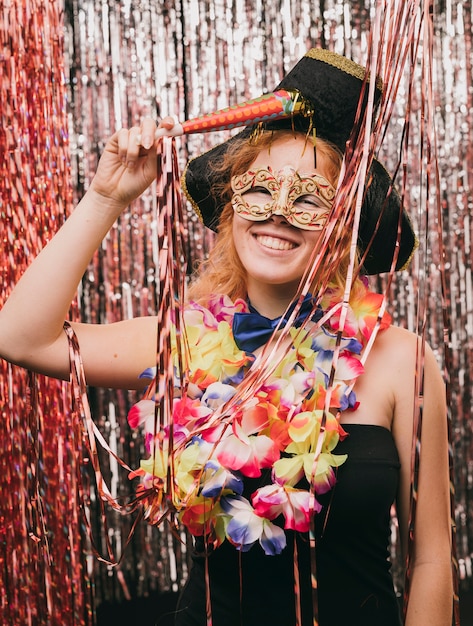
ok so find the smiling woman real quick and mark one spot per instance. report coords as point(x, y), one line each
point(289, 436)
point(314, 436)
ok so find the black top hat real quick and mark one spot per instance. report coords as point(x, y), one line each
point(333, 85)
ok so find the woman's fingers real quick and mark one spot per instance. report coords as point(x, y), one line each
point(128, 146)
point(145, 136)
point(167, 122)
point(168, 127)
point(126, 167)
point(148, 134)
point(137, 141)
point(175, 130)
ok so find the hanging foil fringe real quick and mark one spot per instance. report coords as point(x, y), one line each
point(43, 549)
point(70, 74)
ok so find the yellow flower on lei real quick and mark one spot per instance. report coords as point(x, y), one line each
point(213, 353)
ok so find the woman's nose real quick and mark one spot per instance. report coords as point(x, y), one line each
point(278, 218)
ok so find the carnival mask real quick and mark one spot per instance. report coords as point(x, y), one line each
point(305, 201)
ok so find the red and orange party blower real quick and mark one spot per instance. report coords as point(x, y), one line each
point(268, 107)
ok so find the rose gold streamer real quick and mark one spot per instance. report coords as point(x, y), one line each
point(171, 283)
point(87, 438)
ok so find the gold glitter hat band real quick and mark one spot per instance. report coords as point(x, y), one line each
point(342, 63)
point(333, 86)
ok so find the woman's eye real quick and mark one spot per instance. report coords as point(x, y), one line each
point(308, 202)
point(257, 194)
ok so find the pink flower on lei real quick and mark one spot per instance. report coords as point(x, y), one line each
point(296, 505)
point(245, 450)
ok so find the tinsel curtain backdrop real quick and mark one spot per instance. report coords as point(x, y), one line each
point(70, 74)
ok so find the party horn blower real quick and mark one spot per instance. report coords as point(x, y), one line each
point(268, 107)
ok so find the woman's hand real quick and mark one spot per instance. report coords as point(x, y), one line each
point(128, 164)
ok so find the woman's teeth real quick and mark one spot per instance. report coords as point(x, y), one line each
point(274, 243)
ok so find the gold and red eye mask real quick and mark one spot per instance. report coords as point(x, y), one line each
point(305, 201)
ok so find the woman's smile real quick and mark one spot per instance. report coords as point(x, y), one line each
point(274, 242)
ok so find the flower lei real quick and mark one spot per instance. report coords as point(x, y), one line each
point(278, 430)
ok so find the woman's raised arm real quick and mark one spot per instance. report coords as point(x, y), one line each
point(31, 321)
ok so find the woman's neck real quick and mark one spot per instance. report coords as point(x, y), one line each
point(271, 300)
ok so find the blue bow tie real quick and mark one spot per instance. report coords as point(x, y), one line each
point(252, 330)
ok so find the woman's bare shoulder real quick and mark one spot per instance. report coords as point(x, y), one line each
point(413, 368)
point(396, 348)
point(403, 346)
point(396, 336)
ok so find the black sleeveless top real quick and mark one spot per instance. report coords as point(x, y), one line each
point(355, 586)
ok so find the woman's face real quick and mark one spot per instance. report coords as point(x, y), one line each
point(274, 251)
